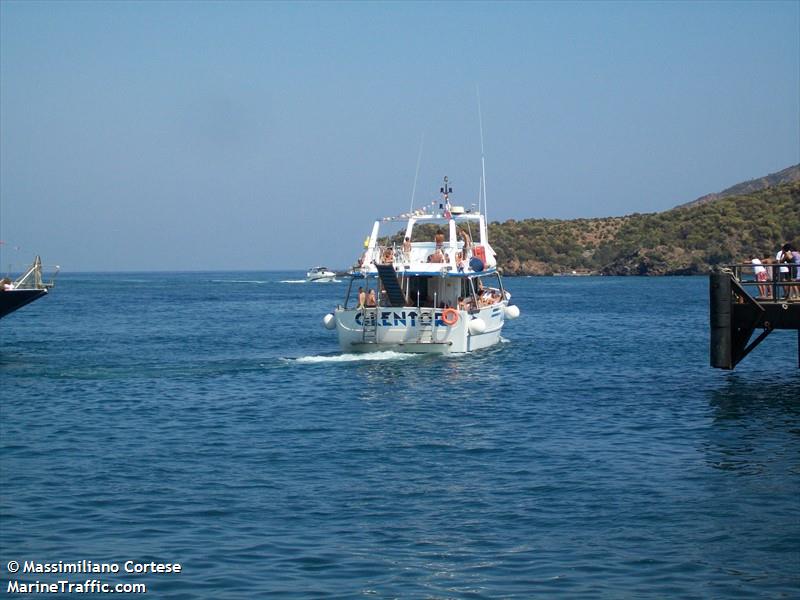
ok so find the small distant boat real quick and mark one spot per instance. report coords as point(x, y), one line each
point(24, 290)
point(320, 274)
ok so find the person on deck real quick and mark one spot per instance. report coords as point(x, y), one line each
point(437, 256)
point(467, 249)
point(407, 250)
point(461, 265)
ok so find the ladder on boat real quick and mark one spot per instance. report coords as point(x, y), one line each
point(425, 327)
point(391, 284)
point(369, 330)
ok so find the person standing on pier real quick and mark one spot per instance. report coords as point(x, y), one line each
point(794, 291)
point(761, 276)
point(783, 272)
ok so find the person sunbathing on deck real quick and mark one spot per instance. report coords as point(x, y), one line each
point(436, 257)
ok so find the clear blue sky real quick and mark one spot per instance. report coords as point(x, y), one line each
point(265, 135)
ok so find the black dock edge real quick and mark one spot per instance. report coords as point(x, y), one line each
point(734, 315)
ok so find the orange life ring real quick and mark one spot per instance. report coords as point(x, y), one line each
point(450, 316)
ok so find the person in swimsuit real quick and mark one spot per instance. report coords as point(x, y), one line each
point(407, 249)
point(467, 249)
point(437, 256)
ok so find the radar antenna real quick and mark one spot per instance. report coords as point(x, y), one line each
point(445, 190)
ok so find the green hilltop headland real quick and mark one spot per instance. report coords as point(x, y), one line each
point(754, 217)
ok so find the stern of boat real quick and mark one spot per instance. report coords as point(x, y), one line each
point(418, 330)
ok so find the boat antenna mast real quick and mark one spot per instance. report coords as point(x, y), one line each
point(483, 160)
point(445, 190)
point(416, 174)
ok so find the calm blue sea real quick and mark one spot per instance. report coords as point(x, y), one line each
point(208, 419)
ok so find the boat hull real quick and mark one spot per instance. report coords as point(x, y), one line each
point(14, 299)
point(417, 330)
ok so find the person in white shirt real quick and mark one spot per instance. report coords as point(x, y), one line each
point(783, 274)
point(761, 276)
point(794, 292)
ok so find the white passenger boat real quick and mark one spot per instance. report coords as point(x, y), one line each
point(320, 274)
point(433, 289)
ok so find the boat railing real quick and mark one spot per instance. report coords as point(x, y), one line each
point(420, 253)
point(33, 278)
point(423, 250)
point(773, 288)
point(390, 253)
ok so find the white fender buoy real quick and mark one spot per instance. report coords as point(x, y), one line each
point(512, 311)
point(329, 321)
point(477, 325)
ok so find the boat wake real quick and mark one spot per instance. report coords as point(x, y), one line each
point(256, 281)
point(347, 358)
point(307, 281)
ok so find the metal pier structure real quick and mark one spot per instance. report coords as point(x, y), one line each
point(740, 305)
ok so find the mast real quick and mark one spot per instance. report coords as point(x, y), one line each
point(416, 174)
point(445, 190)
point(483, 158)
